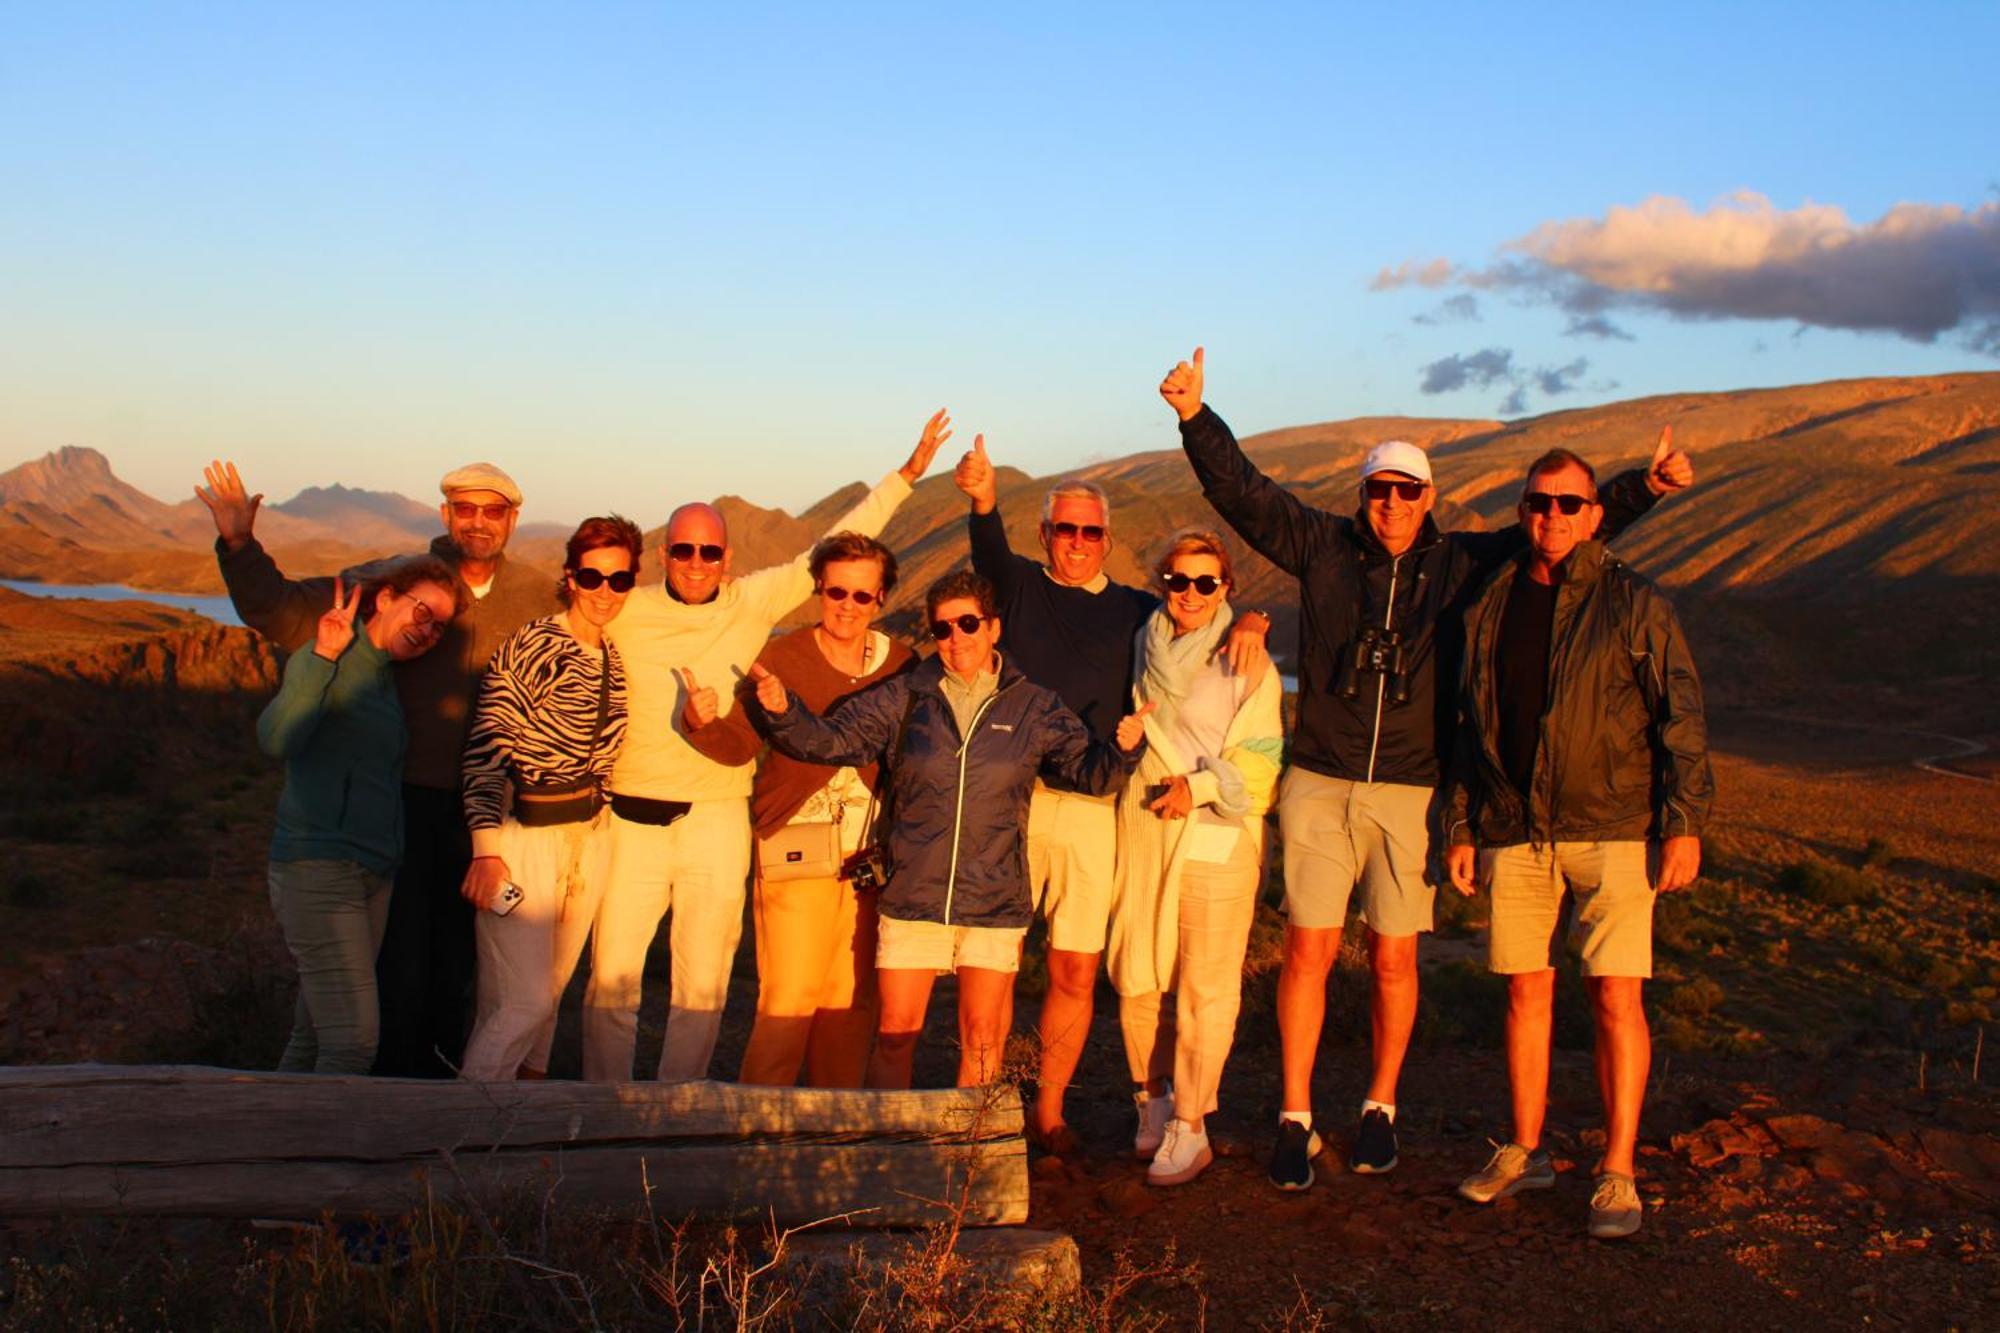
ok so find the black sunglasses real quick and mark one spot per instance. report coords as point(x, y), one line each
point(590, 580)
point(1541, 502)
point(1381, 488)
point(1205, 584)
point(1089, 532)
point(966, 624)
point(860, 597)
point(685, 551)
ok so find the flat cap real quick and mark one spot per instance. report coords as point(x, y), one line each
point(481, 477)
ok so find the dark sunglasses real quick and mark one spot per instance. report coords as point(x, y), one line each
point(1205, 584)
point(860, 597)
point(1541, 502)
point(1089, 532)
point(967, 624)
point(467, 510)
point(1381, 488)
point(685, 551)
point(590, 580)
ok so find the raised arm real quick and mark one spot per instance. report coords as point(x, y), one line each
point(282, 610)
point(775, 591)
point(856, 732)
point(1627, 498)
point(1280, 526)
point(993, 558)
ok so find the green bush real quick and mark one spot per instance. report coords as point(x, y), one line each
point(1696, 999)
point(29, 890)
point(1827, 884)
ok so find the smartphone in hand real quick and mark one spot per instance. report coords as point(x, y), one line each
point(507, 899)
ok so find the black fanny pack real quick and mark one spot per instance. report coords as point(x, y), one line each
point(639, 810)
point(569, 803)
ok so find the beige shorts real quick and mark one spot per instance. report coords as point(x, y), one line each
point(1613, 920)
point(929, 946)
point(1339, 834)
point(1072, 860)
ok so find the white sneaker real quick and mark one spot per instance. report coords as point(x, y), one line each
point(1154, 1113)
point(1183, 1155)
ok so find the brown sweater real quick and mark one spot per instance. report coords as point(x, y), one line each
point(784, 784)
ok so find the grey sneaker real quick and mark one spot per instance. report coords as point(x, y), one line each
point(1510, 1170)
point(1614, 1206)
point(1154, 1113)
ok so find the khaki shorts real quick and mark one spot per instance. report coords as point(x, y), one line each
point(929, 946)
point(1613, 921)
point(1340, 834)
point(1072, 860)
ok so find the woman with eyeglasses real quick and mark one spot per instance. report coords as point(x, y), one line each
point(814, 918)
point(964, 736)
point(1191, 854)
point(550, 718)
point(337, 722)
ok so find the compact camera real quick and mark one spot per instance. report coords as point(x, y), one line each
point(1377, 652)
point(867, 870)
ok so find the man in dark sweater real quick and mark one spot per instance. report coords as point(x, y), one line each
point(424, 972)
point(1070, 629)
point(1380, 602)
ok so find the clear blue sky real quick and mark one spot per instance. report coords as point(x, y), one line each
point(642, 254)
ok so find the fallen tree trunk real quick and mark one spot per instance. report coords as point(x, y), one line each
point(219, 1143)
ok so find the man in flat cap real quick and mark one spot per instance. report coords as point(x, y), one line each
point(425, 969)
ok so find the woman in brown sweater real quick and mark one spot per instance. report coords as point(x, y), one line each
point(816, 997)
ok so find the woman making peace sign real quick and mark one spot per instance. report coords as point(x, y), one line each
point(337, 724)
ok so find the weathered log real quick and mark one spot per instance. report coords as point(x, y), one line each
point(208, 1142)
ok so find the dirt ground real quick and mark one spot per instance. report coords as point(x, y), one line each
point(1821, 1145)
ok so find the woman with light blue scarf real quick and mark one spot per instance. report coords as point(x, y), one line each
point(1190, 855)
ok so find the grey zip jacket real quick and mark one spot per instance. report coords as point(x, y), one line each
point(1622, 754)
point(957, 804)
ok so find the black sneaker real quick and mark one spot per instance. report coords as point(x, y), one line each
point(1291, 1160)
point(1374, 1145)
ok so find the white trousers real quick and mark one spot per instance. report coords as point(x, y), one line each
point(526, 958)
point(696, 870)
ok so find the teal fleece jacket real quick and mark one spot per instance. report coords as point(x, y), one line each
point(339, 728)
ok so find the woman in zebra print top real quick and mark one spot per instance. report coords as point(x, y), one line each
point(550, 718)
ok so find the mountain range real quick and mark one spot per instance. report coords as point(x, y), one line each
point(1842, 539)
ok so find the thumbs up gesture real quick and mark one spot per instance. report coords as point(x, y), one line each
point(771, 692)
point(701, 706)
point(1132, 728)
point(975, 476)
point(1182, 387)
point(1671, 469)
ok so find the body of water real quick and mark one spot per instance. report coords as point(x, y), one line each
point(215, 608)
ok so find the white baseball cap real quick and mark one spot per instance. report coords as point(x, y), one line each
point(1397, 456)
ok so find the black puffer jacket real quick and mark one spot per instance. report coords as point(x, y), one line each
point(959, 807)
point(1348, 581)
point(1622, 753)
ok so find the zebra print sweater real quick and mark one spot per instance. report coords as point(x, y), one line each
point(537, 713)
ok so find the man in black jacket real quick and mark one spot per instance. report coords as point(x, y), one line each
point(1582, 741)
point(1380, 601)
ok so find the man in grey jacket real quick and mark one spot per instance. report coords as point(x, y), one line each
point(1581, 767)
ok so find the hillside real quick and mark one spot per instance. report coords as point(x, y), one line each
point(1842, 543)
